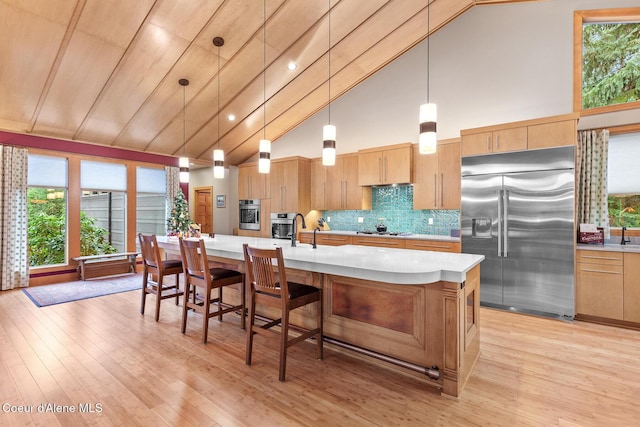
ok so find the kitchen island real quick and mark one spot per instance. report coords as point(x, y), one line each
point(419, 308)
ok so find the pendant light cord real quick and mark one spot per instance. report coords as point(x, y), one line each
point(264, 71)
point(218, 97)
point(428, 45)
point(329, 108)
point(184, 120)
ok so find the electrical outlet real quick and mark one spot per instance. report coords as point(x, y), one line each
point(360, 219)
point(430, 221)
point(328, 219)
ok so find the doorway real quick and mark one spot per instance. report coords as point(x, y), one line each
point(204, 209)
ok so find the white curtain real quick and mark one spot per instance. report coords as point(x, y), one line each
point(591, 175)
point(173, 186)
point(14, 268)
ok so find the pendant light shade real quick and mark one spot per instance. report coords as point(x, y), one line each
point(329, 130)
point(218, 164)
point(218, 153)
point(428, 141)
point(328, 145)
point(183, 162)
point(264, 161)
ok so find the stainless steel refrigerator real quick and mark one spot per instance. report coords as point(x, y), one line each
point(518, 211)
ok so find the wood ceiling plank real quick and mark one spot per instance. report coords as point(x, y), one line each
point(58, 11)
point(308, 48)
point(155, 118)
point(113, 21)
point(84, 70)
point(28, 47)
point(147, 62)
point(184, 19)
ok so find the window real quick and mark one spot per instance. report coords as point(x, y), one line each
point(102, 207)
point(47, 210)
point(623, 186)
point(607, 60)
point(151, 201)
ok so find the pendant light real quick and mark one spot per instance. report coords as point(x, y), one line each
point(428, 142)
point(218, 153)
point(329, 130)
point(183, 162)
point(264, 162)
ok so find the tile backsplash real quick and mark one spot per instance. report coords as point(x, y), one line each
point(395, 205)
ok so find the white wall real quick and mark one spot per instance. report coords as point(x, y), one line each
point(224, 219)
point(494, 64)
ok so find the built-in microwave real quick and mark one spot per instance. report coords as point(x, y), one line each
point(250, 214)
point(282, 225)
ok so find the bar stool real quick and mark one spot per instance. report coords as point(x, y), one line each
point(154, 265)
point(261, 266)
point(198, 274)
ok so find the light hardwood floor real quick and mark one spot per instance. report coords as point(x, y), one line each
point(531, 372)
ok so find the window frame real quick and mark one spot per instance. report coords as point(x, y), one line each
point(580, 17)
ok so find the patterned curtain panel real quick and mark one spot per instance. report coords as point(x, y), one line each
point(14, 268)
point(173, 185)
point(591, 179)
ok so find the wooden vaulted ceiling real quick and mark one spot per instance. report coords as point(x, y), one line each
point(106, 71)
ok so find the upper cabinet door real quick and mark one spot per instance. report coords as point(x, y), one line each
point(477, 143)
point(397, 166)
point(449, 178)
point(514, 139)
point(425, 182)
point(370, 168)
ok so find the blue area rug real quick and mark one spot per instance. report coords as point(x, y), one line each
point(46, 295)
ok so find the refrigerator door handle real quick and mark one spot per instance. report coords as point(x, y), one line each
point(500, 201)
point(505, 214)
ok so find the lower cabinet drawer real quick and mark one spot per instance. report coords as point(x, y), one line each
point(600, 290)
point(385, 242)
point(433, 245)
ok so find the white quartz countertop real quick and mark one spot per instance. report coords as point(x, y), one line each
point(609, 247)
point(400, 266)
point(407, 236)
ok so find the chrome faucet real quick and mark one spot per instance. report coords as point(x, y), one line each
point(294, 231)
point(624, 241)
point(314, 237)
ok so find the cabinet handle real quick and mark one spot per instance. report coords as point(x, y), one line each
point(385, 169)
point(442, 190)
point(600, 271)
point(488, 143)
point(497, 142)
point(379, 169)
point(343, 196)
point(424, 245)
point(435, 190)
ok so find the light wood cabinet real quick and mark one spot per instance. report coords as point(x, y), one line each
point(251, 183)
point(318, 194)
point(553, 134)
point(290, 184)
point(546, 132)
point(385, 165)
point(327, 239)
point(336, 187)
point(632, 287)
point(386, 242)
point(433, 245)
point(498, 141)
point(600, 284)
point(437, 177)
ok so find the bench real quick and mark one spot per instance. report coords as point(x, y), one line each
point(91, 266)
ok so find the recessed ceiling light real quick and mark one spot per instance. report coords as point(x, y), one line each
point(292, 66)
point(231, 117)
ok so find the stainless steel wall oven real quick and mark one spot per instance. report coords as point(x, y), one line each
point(250, 214)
